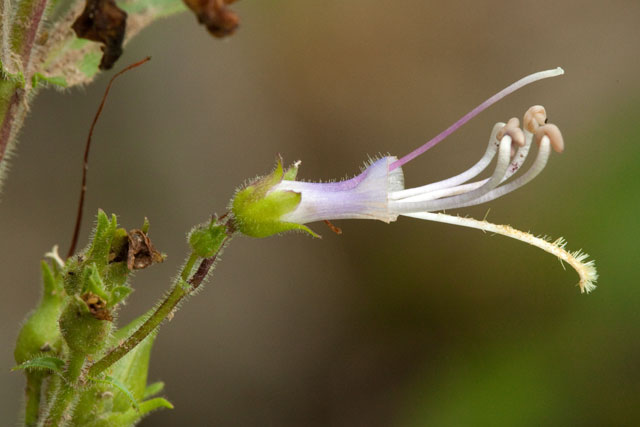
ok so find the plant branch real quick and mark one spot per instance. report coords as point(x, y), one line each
point(32, 27)
point(181, 289)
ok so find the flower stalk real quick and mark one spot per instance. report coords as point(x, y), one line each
point(32, 398)
point(183, 287)
point(68, 390)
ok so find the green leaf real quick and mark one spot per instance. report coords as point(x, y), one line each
point(102, 238)
point(122, 388)
point(131, 416)
point(50, 363)
point(153, 389)
point(93, 282)
point(153, 404)
point(118, 294)
point(40, 79)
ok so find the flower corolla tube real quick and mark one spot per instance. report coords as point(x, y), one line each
point(278, 202)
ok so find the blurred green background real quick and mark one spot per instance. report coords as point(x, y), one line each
point(408, 324)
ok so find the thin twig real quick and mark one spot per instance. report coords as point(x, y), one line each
point(85, 161)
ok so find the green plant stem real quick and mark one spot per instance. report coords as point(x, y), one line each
point(166, 307)
point(33, 392)
point(27, 22)
point(11, 97)
point(16, 89)
point(67, 391)
point(181, 289)
point(188, 267)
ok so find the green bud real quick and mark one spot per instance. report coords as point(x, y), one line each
point(72, 276)
point(145, 225)
point(205, 240)
point(257, 211)
point(40, 333)
point(81, 330)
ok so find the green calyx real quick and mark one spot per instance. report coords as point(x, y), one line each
point(257, 210)
point(82, 331)
point(205, 240)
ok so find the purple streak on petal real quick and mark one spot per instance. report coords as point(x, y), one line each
point(471, 114)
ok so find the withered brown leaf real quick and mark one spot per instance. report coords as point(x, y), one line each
point(104, 22)
point(141, 253)
point(97, 306)
point(136, 249)
point(215, 15)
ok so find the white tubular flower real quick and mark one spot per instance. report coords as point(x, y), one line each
point(379, 193)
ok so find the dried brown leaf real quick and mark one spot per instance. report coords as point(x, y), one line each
point(104, 22)
point(215, 15)
point(97, 306)
point(141, 253)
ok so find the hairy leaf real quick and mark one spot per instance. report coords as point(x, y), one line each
point(42, 363)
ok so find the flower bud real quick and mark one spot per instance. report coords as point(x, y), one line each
point(82, 332)
point(40, 332)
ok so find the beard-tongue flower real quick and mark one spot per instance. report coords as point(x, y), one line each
point(277, 202)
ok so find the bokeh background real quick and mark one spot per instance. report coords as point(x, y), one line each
point(408, 324)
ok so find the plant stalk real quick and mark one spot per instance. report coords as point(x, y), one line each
point(33, 392)
point(15, 77)
point(181, 289)
point(67, 390)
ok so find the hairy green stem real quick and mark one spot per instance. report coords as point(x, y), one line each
point(188, 267)
point(67, 391)
point(15, 78)
point(181, 289)
point(162, 312)
point(26, 27)
point(11, 96)
point(32, 403)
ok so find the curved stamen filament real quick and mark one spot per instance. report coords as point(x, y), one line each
point(465, 176)
point(504, 159)
point(538, 165)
